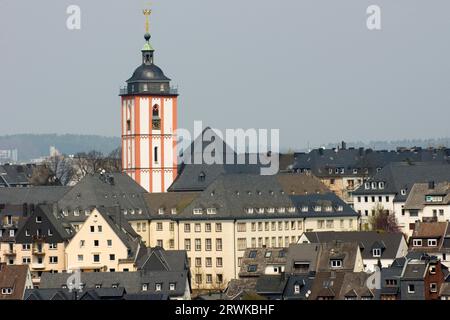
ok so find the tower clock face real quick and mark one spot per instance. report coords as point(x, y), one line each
point(156, 124)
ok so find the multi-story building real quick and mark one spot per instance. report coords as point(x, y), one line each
point(104, 242)
point(389, 189)
point(344, 169)
point(432, 238)
point(377, 248)
point(14, 281)
point(426, 202)
point(157, 272)
point(240, 211)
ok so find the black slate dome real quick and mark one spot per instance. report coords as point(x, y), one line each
point(148, 73)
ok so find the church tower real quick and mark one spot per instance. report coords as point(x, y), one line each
point(149, 120)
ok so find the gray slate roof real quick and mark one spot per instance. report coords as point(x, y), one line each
point(231, 195)
point(131, 281)
point(367, 240)
point(398, 176)
point(107, 190)
point(32, 195)
point(321, 161)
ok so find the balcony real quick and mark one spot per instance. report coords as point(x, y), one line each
point(38, 251)
point(124, 91)
point(37, 266)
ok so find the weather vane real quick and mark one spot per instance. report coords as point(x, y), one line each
point(147, 13)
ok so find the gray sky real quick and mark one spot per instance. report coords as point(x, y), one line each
point(308, 67)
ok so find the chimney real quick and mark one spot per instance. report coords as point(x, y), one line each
point(343, 145)
point(431, 185)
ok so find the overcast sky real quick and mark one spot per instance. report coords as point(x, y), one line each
point(308, 67)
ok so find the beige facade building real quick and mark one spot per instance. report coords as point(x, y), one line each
point(105, 242)
point(241, 211)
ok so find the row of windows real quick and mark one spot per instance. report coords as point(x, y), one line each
point(95, 257)
point(282, 225)
point(208, 262)
point(274, 242)
point(305, 208)
point(208, 278)
point(96, 243)
point(329, 224)
point(419, 242)
point(198, 244)
point(374, 185)
point(40, 260)
point(373, 198)
point(373, 211)
point(198, 227)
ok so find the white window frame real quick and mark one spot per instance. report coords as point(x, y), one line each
point(336, 263)
point(417, 242)
point(432, 242)
point(197, 211)
point(378, 250)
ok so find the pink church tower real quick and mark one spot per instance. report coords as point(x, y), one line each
point(149, 121)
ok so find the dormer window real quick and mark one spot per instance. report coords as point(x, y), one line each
point(249, 210)
point(174, 211)
point(211, 211)
point(296, 288)
point(6, 290)
point(317, 208)
point(336, 263)
point(381, 185)
point(374, 185)
point(145, 287)
point(355, 171)
point(328, 208)
point(198, 211)
point(432, 242)
point(281, 209)
point(376, 252)
point(403, 192)
point(367, 185)
point(330, 171)
point(270, 210)
point(252, 268)
point(38, 219)
point(417, 242)
point(260, 210)
point(201, 177)
point(340, 208)
point(305, 209)
point(291, 209)
point(161, 211)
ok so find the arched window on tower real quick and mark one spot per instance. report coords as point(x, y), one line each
point(128, 117)
point(156, 121)
point(155, 111)
point(155, 154)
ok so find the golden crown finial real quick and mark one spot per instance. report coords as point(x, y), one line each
point(147, 13)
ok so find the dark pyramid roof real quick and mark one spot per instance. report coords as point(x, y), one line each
point(189, 177)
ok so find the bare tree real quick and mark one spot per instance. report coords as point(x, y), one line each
point(61, 167)
point(383, 221)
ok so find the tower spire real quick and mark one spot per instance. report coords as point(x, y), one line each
point(147, 13)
